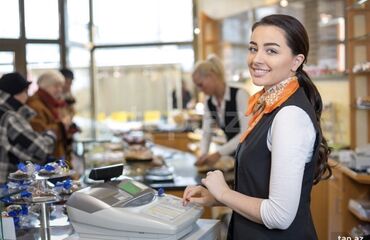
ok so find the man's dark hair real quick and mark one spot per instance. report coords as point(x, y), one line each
point(67, 73)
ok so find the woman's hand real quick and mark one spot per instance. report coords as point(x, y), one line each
point(216, 184)
point(198, 194)
point(210, 159)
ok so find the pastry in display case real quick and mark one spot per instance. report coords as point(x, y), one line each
point(225, 164)
point(134, 139)
point(42, 195)
point(19, 175)
point(138, 153)
point(99, 159)
point(67, 187)
point(103, 154)
point(159, 174)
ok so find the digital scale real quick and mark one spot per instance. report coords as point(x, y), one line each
point(128, 209)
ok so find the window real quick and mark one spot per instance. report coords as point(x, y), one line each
point(142, 21)
point(139, 79)
point(78, 21)
point(168, 54)
point(79, 62)
point(10, 16)
point(41, 57)
point(6, 62)
point(41, 19)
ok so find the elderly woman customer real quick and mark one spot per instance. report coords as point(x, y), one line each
point(49, 104)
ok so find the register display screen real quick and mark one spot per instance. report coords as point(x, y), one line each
point(130, 188)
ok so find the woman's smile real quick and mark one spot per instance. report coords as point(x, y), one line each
point(259, 72)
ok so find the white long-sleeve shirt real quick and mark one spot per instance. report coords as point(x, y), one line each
point(230, 146)
point(290, 139)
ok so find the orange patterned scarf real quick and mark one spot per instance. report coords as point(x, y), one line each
point(264, 102)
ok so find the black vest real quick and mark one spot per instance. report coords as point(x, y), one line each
point(252, 177)
point(232, 125)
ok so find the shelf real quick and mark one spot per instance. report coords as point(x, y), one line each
point(358, 215)
point(358, 6)
point(361, 107)
point(339, 76)
point(363, 38)
point(358, 177)
point(360, 73)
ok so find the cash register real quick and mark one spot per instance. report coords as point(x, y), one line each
point(128, 209)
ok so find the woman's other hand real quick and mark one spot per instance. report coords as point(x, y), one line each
point(199, 195)
point(216, 184)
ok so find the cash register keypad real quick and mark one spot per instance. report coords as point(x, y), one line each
point(167, 208)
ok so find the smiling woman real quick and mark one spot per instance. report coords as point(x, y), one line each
point(270, 59)
point(282, 153)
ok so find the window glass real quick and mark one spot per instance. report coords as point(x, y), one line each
point(136, 82)
point(175, 20)
point(78, 20)
point(78, 57)
point(41, 57)
point(10, 16)
point(42, 19)
point(127, 93)
point(183, 55)
point(142, 21)
point(6, 62)
point(78, 60)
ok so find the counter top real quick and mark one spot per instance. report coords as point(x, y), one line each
point(182, 163)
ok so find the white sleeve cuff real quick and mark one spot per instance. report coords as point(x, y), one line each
point(273, 217)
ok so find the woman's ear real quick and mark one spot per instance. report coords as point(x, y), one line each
point(298, 60)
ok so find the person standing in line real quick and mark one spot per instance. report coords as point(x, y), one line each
point(283, 152)
point(67, 90)
point(69, 109)
point(185, 97)
point(224, 106)
point(48, 103)
point(19, 142)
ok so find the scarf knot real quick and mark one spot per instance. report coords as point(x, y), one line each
point(265, 101)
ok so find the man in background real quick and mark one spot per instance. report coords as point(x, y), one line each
point(185, 94)
point(67, 93)
point(70, 107)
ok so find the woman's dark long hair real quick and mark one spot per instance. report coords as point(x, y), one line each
point(297, 40)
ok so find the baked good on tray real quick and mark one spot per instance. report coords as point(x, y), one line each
point(225, 164)
point(41, 196)
point(45, 173)
point(19, 175)
point(138, 153)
